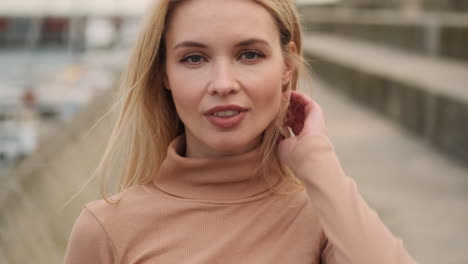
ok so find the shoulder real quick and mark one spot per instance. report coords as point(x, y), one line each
point(118, 202)
point(89, 241)
point(136, 202)
point(87, 223)
point(117, 205)
point(97, 233)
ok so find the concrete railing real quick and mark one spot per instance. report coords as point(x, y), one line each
point(441, 34)
point(428, 97)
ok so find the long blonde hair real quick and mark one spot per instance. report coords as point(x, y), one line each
point(148, 120)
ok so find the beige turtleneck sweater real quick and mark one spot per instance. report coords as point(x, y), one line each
point(202, 211)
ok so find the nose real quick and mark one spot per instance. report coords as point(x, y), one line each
point(223, 79)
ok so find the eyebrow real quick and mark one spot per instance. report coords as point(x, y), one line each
point(252, 41)
point(190, 44)
point(243, 43)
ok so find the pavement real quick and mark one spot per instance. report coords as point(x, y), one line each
point(419, 193)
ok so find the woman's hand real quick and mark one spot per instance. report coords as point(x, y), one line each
point(305, 119)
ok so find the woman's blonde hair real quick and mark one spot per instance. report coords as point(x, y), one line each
point(148, 120)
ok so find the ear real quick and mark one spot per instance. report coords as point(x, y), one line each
point(289, 63)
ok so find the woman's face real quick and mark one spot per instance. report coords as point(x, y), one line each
point(225, 69)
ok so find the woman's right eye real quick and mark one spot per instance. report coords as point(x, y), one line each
point(193, 59)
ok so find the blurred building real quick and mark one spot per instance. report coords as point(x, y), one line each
point(46, 71)
point(64, 23)
point(429, 5)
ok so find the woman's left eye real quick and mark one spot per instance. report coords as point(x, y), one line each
point(252, 55)
point(192, 59)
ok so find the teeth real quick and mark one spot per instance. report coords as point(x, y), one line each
point(226, 113)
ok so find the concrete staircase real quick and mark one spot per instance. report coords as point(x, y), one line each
point(411, 68)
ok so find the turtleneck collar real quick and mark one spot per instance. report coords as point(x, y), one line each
point(217, 179)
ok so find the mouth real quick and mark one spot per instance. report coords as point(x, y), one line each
point(225, 111)
point(225, 120)
point(226, 116)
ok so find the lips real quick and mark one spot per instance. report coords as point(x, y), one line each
point(225, 108)
point(225, 122)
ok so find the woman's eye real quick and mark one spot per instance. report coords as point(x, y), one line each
point(194, 59)
point(251, 55)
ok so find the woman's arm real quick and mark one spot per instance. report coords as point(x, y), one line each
point(354, 233)
point(89, 243)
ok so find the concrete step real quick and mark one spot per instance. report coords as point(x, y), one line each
point(428, 96)
point(433, 34)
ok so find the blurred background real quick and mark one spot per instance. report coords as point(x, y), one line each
point(391, 75)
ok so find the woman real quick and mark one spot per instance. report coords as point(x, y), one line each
point(210, 173)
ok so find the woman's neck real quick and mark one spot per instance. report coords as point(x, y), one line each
point(195, 148)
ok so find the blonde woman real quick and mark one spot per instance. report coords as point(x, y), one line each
point(210, 173)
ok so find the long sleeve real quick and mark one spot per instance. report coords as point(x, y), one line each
point(89, 243)
point(353, 232)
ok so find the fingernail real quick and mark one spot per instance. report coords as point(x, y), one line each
point(291, 133)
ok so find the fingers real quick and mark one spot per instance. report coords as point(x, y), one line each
point(302, 106)
point(296, 114)
point(316, 120)
point(311, 115)
point(303, 100)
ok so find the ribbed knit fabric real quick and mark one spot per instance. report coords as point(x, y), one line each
point(219, 211)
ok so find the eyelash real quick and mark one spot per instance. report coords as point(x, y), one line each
point(257, 53)
point(186, 58)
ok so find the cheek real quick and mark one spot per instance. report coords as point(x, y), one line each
point(268, 96)
point(269, 87)
point(184, 90)
point(186, 104)
point(184, 98)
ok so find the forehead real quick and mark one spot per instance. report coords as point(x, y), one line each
point(215, 19)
